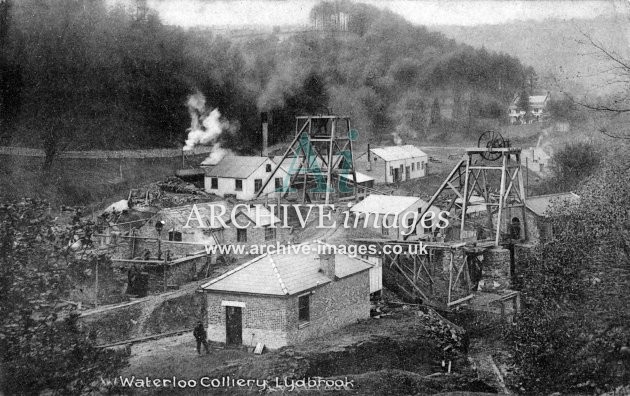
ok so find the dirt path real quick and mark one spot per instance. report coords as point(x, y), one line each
point(177, 356)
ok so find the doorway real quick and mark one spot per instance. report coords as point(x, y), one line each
point(233, 325)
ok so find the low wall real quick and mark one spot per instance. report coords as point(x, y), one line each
point(145, 317)
point(179, 272)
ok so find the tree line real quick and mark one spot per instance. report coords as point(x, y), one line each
point(81, 74)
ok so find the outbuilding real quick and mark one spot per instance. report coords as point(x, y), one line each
point(285, 297)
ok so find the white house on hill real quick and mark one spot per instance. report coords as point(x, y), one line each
point(537, 107)
point(241, 177)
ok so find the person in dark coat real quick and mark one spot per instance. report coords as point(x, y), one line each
point(201, 336)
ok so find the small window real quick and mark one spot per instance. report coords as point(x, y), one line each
point(238, 185)
point(268, 168)
point(429, 226)
point(278, 181)
point(413, 167)
point(418, 165)
point(214, 183)
point(175, 236)
point(304, 309)
point(391, 171)
point(270, 234)
point(257, 184)
point(241, 235)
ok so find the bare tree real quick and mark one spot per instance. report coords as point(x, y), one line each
point(618, 66)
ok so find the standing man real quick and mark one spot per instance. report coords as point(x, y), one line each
point(201, 337)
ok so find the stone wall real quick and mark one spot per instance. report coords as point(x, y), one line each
point(496, 273)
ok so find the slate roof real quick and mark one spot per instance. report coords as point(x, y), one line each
point(237, 167)
point(177, 217)
point(394, 153)
point(283, 274)
point(540, 204)
point(534, 100)
point(382, 204)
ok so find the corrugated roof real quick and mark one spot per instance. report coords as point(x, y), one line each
point(382, 204)
point(284, 273)
point(238, 167)
point(361, 178)
point(394, 153)
point(541, 204)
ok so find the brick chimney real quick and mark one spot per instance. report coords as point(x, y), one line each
point(265, 134)
point(327, 264)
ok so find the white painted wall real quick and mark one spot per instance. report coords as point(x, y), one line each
point(227, 185)
point(414, 173)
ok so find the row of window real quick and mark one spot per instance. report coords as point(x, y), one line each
point(414, 165)
point(238, 183)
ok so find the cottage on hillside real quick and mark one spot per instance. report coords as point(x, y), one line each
point(539, 229)
point(381, 212)
point(241, 177)
point(394, 164)
point(286, 297)
point(537, 108)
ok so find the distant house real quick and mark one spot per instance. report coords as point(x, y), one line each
point(258, 227)
point(242, 176)
point(537, 107)
point(287, 297)
point(394, 164)
point(381, 211)
point(539, 229)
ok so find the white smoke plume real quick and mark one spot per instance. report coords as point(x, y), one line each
point(397, 139)
point(206, 126)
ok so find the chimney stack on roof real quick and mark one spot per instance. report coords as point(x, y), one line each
point(327, 263)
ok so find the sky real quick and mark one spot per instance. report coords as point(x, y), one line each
point(189, 13)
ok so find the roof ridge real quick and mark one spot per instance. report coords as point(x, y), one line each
point(232, 271)
point(275, 270)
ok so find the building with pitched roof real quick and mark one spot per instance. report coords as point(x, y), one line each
point(537, 108)
point(255, 224)
point(284, 297)
point(393, 215)
point(242, 176)
point(539, 228)
point(394, 164)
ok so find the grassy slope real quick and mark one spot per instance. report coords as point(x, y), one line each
point(80, 181)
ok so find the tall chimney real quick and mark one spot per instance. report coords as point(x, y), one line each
point(265, 134)
point(327, 263)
